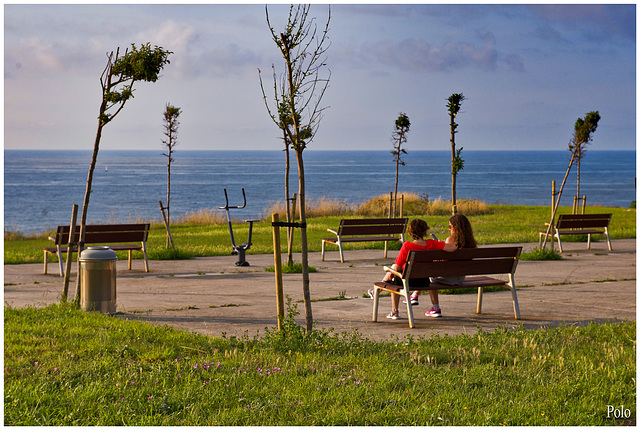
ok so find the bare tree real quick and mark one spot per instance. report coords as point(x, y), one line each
point(117, 80)
point(297, 97)
point(398, 138)
point(457, 163)
point(171, 124)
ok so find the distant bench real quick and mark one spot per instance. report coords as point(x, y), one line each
point(462, 262)
point(107, 234)
point(580, 224)
point(366, 230)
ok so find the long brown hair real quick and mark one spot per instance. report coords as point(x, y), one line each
point(462, 232)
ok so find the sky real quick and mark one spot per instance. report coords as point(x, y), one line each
point(527, 72)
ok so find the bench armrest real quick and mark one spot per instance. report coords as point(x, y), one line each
point(53, 239)
point(390, 270)
point(332, 231)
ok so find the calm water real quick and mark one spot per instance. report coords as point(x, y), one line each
point(40, 187)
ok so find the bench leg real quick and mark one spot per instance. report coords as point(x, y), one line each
point(341, 252)
point(45, 262)
point(512, 287)
point(557, 235)
point(479, 307)
point(322, 257)
point(130, 252)
point(589, 241)
point(606, 233)
point(406, 293)
point(60, 262)
point(385, 248)
point(376, 297)
point(146, 260)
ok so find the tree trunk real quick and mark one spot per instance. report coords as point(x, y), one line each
point(85, 203)
point(303, 243)
point(578, 179)
point(454, 208)
point(395, 190)
point(168, 192)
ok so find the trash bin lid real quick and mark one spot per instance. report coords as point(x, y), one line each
point(98, 253)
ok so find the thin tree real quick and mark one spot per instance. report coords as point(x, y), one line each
point(398, 138)
point(117, 80)
point(300, 90)
point(583, 129)
point(457, 163)
point(581, 136)
point(170, 124)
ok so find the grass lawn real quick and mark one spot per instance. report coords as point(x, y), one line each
point(66, 367)
point(501, 224)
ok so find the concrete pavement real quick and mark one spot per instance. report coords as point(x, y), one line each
point(212, 296)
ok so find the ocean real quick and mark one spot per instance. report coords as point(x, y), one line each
point(40, 187)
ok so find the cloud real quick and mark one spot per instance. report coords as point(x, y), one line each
point(594, 21)
point(33, 55)
point(418, 55)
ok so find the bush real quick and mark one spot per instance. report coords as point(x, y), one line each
point(540, 254)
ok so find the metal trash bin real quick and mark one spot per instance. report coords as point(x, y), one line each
point(98, 279)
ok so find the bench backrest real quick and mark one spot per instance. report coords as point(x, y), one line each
point(372, 226)
point(107, 233)
point(467, 261)
point(582, 221)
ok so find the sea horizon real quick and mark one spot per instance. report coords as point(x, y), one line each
point(42, 185)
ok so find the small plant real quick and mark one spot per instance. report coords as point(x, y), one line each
point(290, 268)
point(540, 254)
point(168, 254)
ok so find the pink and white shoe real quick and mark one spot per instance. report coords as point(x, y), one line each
point(434, 313)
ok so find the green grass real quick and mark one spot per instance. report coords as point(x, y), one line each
point(502, 224)
point(65, 367)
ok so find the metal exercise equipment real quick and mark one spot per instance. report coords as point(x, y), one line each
point(239, 250)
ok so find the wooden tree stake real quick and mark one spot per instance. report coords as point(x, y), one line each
point(70, 245)
point(277, 262)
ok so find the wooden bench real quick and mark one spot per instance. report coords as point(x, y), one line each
point(462, 262)
point(579, 224)
point(107, 234)
point(366, 230)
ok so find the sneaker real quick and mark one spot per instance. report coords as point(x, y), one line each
point(370, 292)
point(414, 301)
point(434, 313)
point(393, 315)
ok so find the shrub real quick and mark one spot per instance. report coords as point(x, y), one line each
point(540, 254)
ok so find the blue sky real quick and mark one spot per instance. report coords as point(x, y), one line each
point(527, 72)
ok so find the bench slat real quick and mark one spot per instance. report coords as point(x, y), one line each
point(372, 221)
point(564, 224)
point(362, 239)
point(371, 229)
point(467, 253)
point(584, 217)
point(107, 227)
point(457, 268)
point(472, 282)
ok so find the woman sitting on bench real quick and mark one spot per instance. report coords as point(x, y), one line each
point(461, 237)
point(417, 230)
